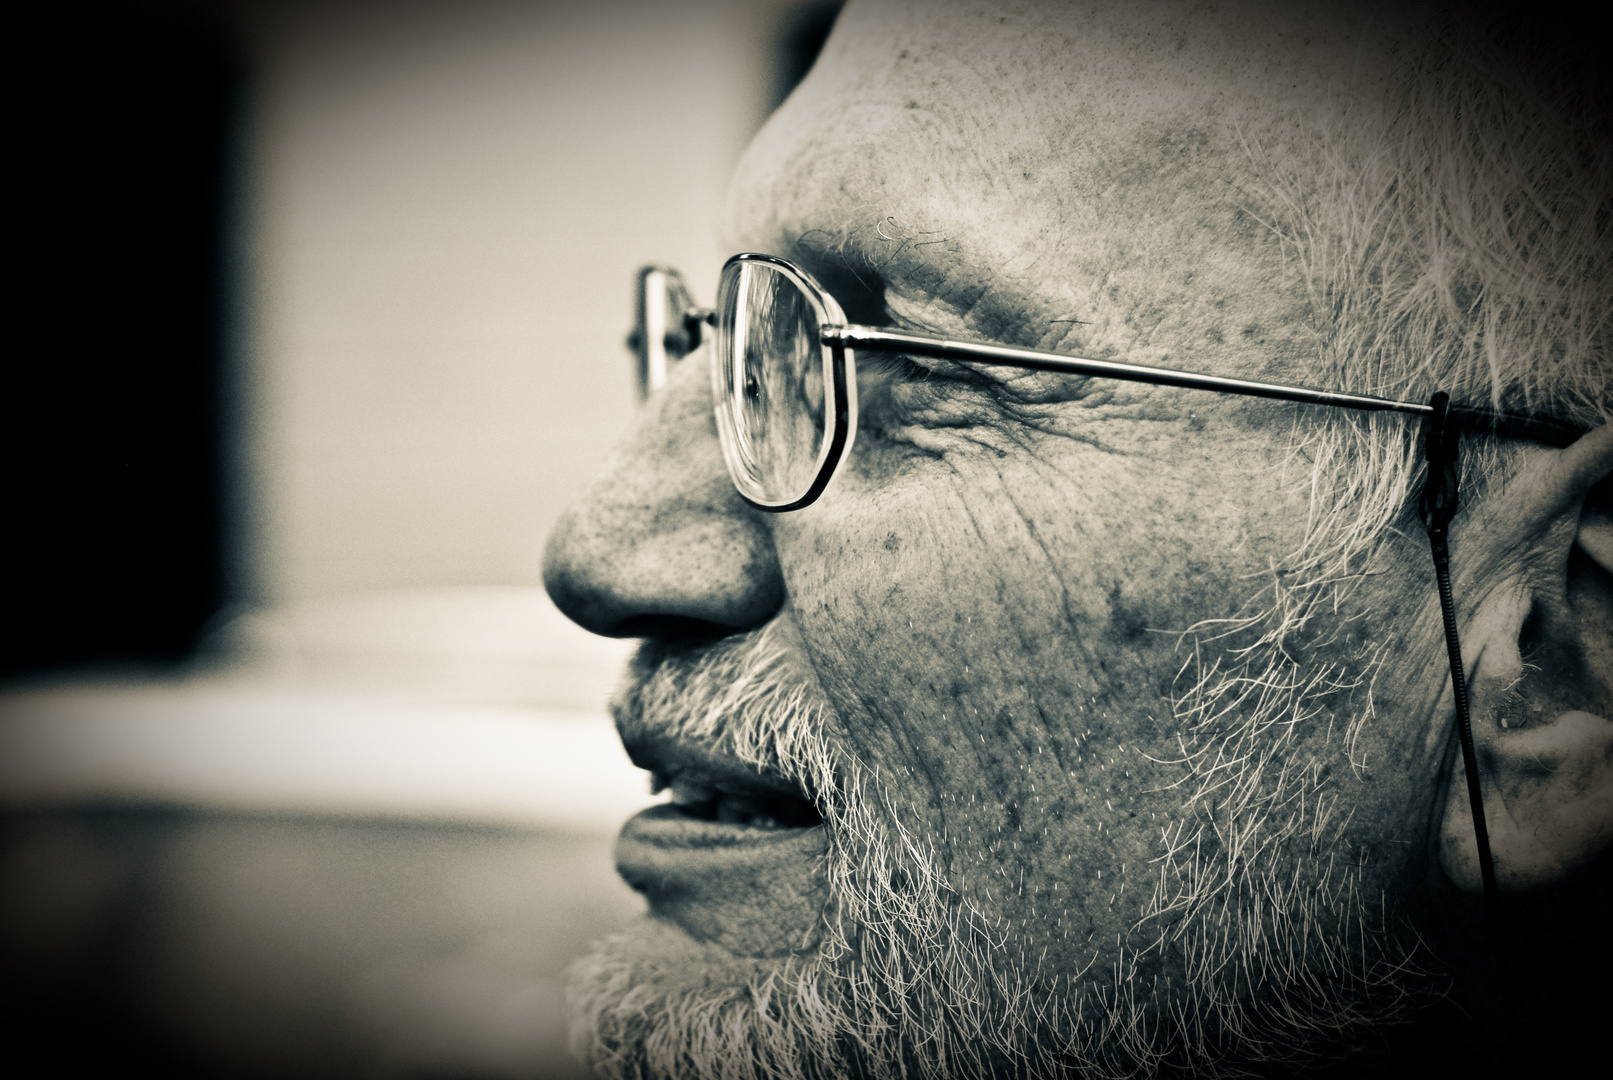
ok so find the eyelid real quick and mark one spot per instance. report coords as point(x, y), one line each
point(983, 375)
point(898, 365)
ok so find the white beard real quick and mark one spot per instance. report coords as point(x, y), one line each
point(909, 980)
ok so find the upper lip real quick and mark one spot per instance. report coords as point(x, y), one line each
point(712, 787)
point(671, 759)
point(703, 773)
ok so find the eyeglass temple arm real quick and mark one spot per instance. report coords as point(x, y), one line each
point(1509, 425)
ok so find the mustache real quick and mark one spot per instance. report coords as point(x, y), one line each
point(744, 696)
point(740, 696)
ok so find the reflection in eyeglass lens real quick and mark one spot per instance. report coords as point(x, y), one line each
point(780, 406)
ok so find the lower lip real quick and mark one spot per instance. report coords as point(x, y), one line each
point(712, 879)
point(666, 828)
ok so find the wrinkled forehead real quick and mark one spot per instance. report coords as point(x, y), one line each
point(1002, 124)
point(1112, 63)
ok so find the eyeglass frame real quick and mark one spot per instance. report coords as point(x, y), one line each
point(656, 346)
point(657, 343)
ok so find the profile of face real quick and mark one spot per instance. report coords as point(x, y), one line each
point(1083, 725)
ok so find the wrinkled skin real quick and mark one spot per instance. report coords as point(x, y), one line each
point(992, 596)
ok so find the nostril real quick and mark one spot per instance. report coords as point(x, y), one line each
point(679, 628)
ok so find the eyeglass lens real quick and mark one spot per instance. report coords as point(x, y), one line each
point(769, 378)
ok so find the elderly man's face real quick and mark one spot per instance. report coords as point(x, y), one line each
point(1075, 795)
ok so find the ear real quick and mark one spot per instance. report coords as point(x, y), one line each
point(1539, 652)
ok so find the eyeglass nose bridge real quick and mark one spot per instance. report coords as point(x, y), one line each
point(660, 338)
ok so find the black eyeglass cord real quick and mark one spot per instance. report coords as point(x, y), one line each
point(1438, 506)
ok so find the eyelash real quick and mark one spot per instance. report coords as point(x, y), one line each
point(898, 365)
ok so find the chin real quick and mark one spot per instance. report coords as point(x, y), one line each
point(655, 1001)
point(658, 1001)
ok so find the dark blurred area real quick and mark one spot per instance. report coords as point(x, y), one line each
point(114, 444)
point(800, 39)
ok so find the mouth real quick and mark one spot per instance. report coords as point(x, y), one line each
point(700, 796)
point(735, 857)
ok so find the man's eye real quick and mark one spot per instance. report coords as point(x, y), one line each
point(895, 392)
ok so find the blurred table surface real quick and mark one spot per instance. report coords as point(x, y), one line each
point(358, 836)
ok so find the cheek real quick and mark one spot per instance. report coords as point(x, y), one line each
point(1009, 671)
point(1055, 579)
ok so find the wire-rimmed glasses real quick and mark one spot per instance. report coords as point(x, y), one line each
point(783, 374)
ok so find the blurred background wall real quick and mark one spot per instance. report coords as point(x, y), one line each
point(448, 203)
point(320, 328)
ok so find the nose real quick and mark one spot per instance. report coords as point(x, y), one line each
point(662, 545)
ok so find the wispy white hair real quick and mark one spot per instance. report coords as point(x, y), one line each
point(1460, 239)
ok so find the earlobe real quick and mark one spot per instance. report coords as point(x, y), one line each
point(1548, 803)
point(1541, 673)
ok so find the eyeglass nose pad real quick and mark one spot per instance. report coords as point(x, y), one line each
point(695, 321)
point(667, 325)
